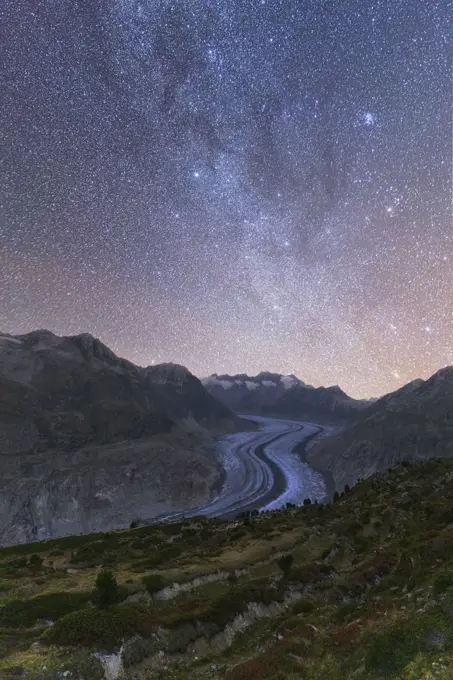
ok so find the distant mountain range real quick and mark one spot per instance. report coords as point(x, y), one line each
point(413, 423)
point(283, 396)
point(89, 440)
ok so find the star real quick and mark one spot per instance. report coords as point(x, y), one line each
point(369, 119)
point(172, 171)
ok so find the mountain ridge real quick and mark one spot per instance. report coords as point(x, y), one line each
point(89, 441)
point(283, 396)
point(413, 423)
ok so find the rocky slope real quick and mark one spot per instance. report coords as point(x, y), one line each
point(367, 594)
point(413, 423)
point(283, 396)
point(89, 440)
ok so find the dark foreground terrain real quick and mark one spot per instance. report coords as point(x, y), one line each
point(369, 593)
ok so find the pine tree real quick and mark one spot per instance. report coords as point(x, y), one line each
point(105, 589)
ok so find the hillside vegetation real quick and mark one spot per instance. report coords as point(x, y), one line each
point(367, 595)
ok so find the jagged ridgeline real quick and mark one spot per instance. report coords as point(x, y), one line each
point(361, 588)
point(283, 396)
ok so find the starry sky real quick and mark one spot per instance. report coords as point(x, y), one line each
point(234, 185)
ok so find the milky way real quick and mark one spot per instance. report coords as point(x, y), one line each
point(233, 185)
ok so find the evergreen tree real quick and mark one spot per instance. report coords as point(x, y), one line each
point(105, 589)
point(285, 563)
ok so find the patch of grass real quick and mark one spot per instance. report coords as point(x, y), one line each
point(391, 651)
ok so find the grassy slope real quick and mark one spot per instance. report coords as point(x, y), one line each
point(374, 568)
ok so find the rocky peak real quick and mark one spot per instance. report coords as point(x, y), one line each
point(92, 348)
point(168, 373)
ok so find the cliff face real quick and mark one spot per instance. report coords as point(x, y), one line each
point(413, 423)
point(90, 441)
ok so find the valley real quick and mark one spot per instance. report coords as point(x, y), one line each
point(262, 470)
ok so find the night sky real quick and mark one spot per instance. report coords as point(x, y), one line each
point(235, 185)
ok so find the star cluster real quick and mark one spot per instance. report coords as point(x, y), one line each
point(234, 185)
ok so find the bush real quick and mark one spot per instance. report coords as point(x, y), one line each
point(134, 524)
point(343, 613)
point(285, 563)
point(442, 582)
point(35, 561)
point(307, 501)
point(88, 628)
point(336, 496)
point(105, 590)
point(303, 606)
point(153, 583)
point(101, 628)
point(25, 613)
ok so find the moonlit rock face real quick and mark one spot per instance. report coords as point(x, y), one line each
point(251, 385)
point(268, 383)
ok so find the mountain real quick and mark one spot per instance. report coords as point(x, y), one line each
point(357, 589)
point(283, 396)
point(413, 423)
point(83, 430)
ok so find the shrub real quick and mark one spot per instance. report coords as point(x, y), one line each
point(101, 628)
point(105, 590)
point(134, 524)
point(285, 563)
point(36, 561)
point(336, 496)
point(442, 582)
point(343, 612)
point(303, 606)
point(87, 628)
point(346, 488)
point(153, 583)
point(25, 613)
point(171, 553)
point(232, 578)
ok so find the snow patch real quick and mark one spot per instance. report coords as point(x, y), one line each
point(226, 384)
point(251, 385)
point(269, 383)
point(15, 340)
point(288, 381)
